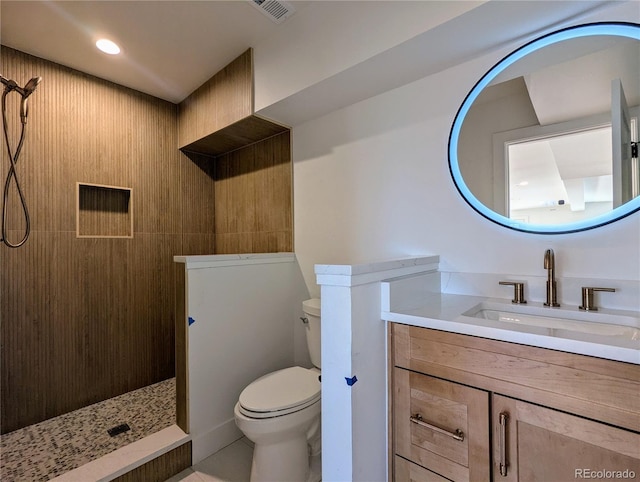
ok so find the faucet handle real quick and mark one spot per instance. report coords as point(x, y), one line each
point(588, 303)
point(518, 291)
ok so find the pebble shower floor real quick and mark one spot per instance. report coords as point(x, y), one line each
point(48, 449)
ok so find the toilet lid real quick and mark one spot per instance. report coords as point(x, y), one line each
point(281, 390)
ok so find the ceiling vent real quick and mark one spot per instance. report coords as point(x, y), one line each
point(276, 10)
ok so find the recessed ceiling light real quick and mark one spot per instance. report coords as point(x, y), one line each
point(107, 46)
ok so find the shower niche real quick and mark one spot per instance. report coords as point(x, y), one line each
point(103, 211)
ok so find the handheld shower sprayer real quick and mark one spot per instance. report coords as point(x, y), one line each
point(31, 86)
point(25, 92)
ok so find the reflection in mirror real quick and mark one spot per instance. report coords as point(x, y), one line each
point(561, 178)
point(543, 143)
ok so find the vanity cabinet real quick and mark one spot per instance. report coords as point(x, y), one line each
point(472, 409)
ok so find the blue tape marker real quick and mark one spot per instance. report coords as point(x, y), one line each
point(351, 381)
point(191, 321)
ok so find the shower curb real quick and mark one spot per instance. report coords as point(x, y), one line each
point(128, 458)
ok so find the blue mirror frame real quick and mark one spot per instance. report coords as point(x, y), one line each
point(619, 29)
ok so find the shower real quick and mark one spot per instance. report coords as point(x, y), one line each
point(25, 92)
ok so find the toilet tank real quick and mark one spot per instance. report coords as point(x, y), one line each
point(311, 309)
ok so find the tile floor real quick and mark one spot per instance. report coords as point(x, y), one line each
point(232, 464)
point(53, 447)
point(47, 449)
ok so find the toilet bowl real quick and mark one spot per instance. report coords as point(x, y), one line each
point(280, 413)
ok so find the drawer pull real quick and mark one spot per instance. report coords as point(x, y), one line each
point(504, 418)
point(458, 434)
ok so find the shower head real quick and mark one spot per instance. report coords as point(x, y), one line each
point(31, 86)
point(26, 92)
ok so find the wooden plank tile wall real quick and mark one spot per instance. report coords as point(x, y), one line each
point(83, 320)
point(161, 468)
point(253, 198)
point(182, 349)
point(226, 98)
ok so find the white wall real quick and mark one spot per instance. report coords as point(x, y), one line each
point(371, 181)
point(354, 338)
point(329, 42)
point(246, 313)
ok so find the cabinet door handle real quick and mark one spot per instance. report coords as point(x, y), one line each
point(504, 418)
point(458, 434)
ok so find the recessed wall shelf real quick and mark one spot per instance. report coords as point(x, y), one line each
point(103, 211)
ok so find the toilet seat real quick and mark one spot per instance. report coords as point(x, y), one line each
point(280, 393)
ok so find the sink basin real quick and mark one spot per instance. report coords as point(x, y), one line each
point(563, 323)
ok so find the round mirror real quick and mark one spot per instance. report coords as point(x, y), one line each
point(547, 140)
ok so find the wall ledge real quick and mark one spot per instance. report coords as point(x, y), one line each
point(222, 260)
point(365, 273)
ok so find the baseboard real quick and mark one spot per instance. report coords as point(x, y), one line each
point(209, 443)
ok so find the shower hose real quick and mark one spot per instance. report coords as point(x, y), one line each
point(13, 174)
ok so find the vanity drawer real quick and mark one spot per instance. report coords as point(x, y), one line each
point(405, 471)
point(441, 425)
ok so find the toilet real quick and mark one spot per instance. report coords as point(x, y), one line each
point(280, 413)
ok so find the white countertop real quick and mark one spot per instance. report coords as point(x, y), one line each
point(444, 312)
point(423, 261)
point(362, 273)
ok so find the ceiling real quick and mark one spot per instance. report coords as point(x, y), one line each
point(170, 48)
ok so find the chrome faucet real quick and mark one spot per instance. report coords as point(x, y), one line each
point(550, 266)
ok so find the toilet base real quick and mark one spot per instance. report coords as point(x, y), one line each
point(281, 451)
point(267, 463)
point(315, 468)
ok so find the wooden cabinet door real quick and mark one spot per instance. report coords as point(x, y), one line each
point(442, 425)
point(537, 444)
